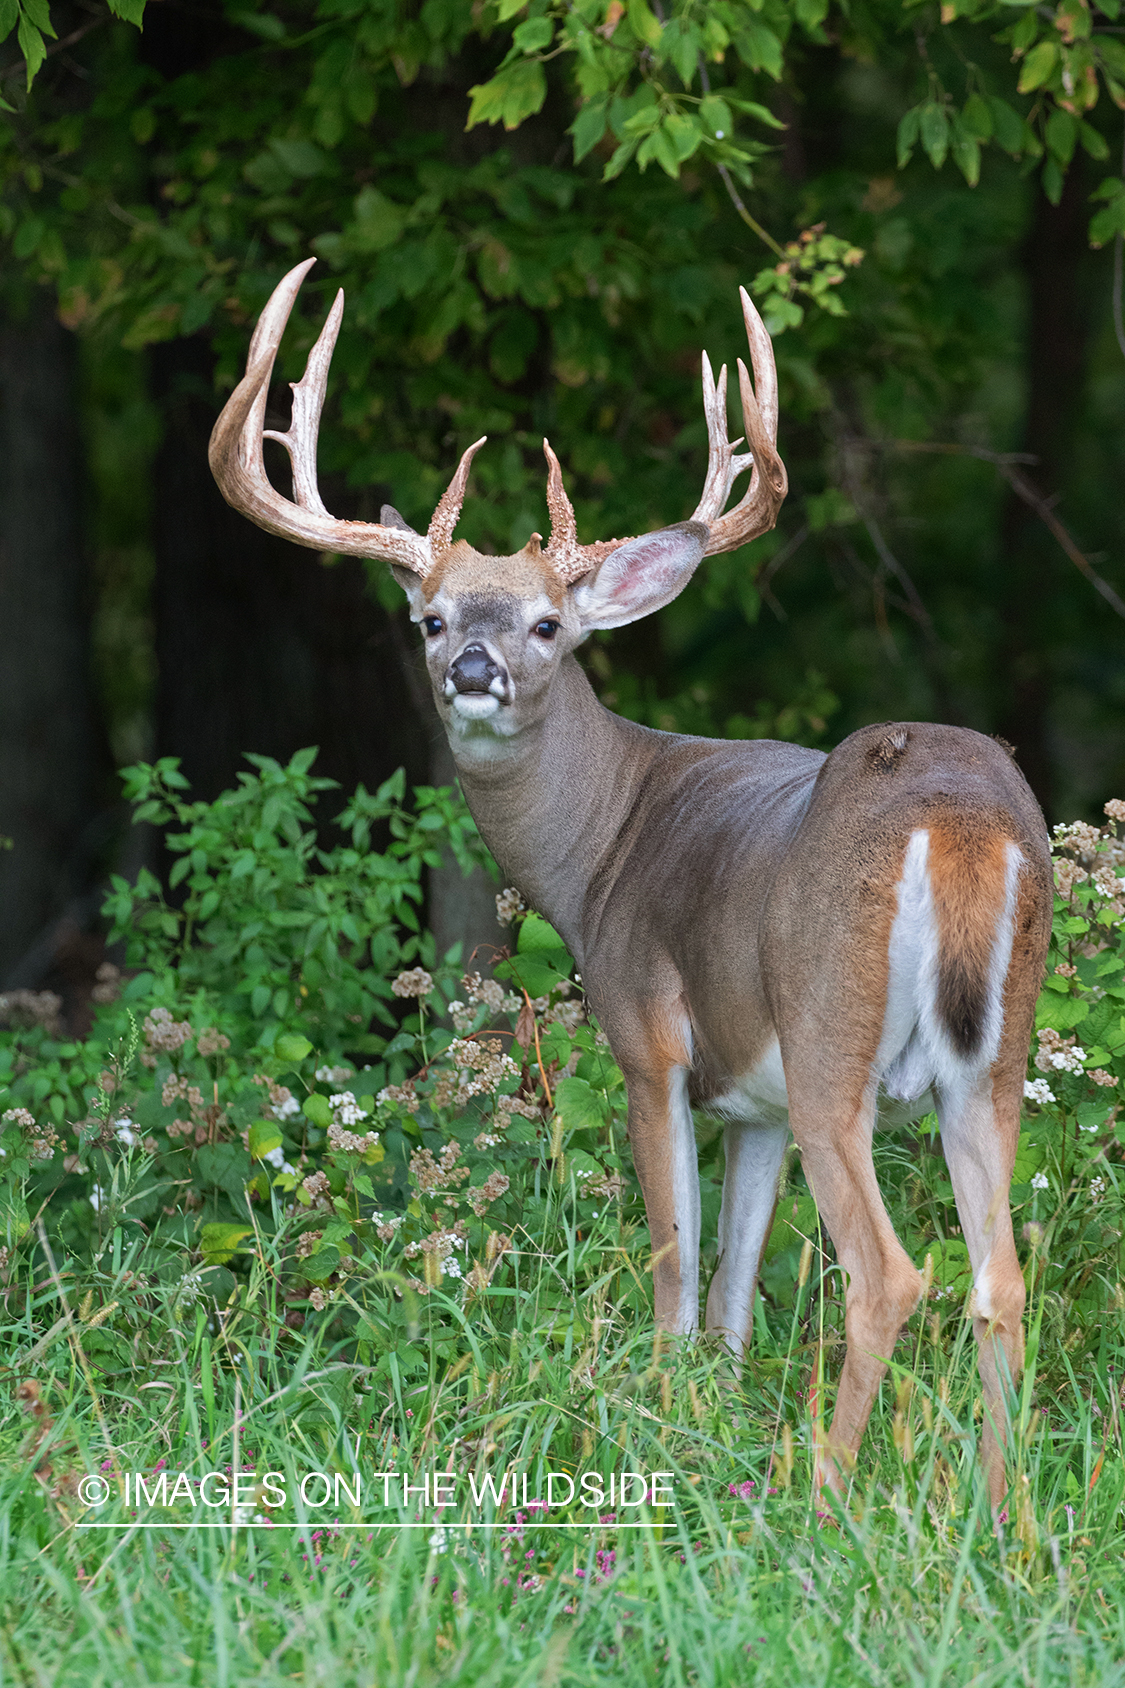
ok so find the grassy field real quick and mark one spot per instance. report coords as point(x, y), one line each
point(209, 1274)
point(738, 1581)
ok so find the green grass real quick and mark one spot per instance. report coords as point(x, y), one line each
point(908, 1584)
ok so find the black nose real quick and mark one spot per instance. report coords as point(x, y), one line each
point(474, 670)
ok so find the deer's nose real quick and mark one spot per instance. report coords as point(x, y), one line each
point(475, 671)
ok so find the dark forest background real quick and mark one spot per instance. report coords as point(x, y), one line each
point(953, 545)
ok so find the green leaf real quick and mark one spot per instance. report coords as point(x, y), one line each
point(321, 1264)
point(908, 135)
point(264, 1136)
point(300, 158)
point(682, 44)
point(535, 34)
point(644, 23)
point(810, 15)
point(291, 1046)
point(977, 118)
point(761, 112)
point(1038, 67)
point(1092, 142)
point(714, 114)
point(31, 46)
point(588, 128)
point(378, 223)
point(536, 934)
point(219, 1242)
point(1007, 126)
point(1062, 135)
point(38, 12)
point(1052, 179)
point(934, 127)
point(316, 1107)
point(578, 1104)
point(759, 48)
point(515, 92)
point(9, 17)
point(132, 11)
point(966, 156)
point(685, 134)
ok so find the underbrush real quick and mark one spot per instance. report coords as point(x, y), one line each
point(313, 1201)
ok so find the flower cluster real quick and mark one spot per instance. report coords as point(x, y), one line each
point(403, 1094)
point(41, 1139)
point(509, 904)
point(483, 1196)
point(334, 1075)
point(282, 1103)
point(108, 986)
point(318, 1190)
point(1038, 1090)
point(32, 1008)
point(432, 1175)
point(1059, 1054)
point(609, 1185)
point(480, 993)
point(1093, 858)
point(484, 1059)
point(439, 1246)
point(417, 982)
point(163, 1034)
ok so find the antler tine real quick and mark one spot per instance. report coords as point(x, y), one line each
point(720, 453)
point(439, 535)
point(308, 402)
point(235, 451)
point(569, 560)
point(757, 511)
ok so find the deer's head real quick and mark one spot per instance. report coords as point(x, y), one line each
point(496, 628)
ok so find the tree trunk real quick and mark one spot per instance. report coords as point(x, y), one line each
point(1053, 259)
point(48, 742)
point(260, 647)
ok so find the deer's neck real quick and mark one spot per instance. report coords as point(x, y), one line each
point(551, 805)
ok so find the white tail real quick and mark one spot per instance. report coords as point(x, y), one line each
point(764, 932)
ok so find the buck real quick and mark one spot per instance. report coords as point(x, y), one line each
point(771, 934)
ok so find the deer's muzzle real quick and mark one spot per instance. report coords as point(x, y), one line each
point(475, 671)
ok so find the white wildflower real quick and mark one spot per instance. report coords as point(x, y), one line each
point(509, 903)
point(1038, 1090)
point(346, 1109)
point(334, 1075)
point(1097, 1189)
point(276, 1159)
point(1069, 1060)
point(287, 1107)
point(123, 1131)
point(1040, 1181)
point(97, 1198)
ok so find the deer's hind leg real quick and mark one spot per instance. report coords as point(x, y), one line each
point(832, 1119)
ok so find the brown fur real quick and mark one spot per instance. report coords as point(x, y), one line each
point(967, 869)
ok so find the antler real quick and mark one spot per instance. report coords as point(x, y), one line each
point(755, 514)
point(235, 453)
point(757, 511)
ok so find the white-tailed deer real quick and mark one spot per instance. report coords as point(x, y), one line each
point(769, 933)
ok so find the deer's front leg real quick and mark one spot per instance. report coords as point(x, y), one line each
point(663, 1140)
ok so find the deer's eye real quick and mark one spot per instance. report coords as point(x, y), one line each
point(546, 629)
point(433, 625)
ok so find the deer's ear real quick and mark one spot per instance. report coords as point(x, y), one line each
point(411, 584)
point(641, 576)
